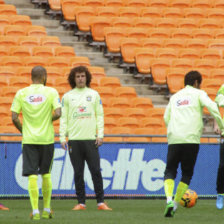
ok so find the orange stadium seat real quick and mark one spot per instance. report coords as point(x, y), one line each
point(194, 13)
point(110, 122)
point(62, 90)
point(114, 3)
point(205, 63)
point(31, 41)
point(151, 42)
point(3, 51)
point(105, 102)
point(166, 53)
point(215, 13)
point(55, 5)
point(97, 71)
point(107, 11)
point(129, 11)
point(64, 51)
point(151, 122)
point(158, 67)
point(189, 23)
point(151, 12)
point(145, 131)
point(141, 102)
point(211, 54)
point(172, 12)
point(36, 30)
point(217, 73)
point(58, 61)
point(6, 102)
point(210, 23)
point(181, 33)
point(174, 43)
point(11, 61)
point(7, 71)
point(110, 82)
point(136, 32)
point(159, 3)
point(159, 33)
point(14, 30)
point(8, 41)
point(54, 71)
point(19, 81)
point(4, 21)
point(135, 112)
point(206, 73)
point(143, 57)
point(129, 122)
point(34, 61)
point(216, 44)
point(6, 9)
point(97, 25)
point(21, 20)
point(121, 130)
point(218, 4)
point(21, 51)
point(202, 33)
point(113, 112)
point(120, 102)
point(80, 60)
point(122, 22)
point(218, 33)
point(205, 4)
point(51, 41)
point(61, 82)
point(182, 63)
point(166, 23)
point(93, 3)
point(144, 22)
point(137, 3)
point(127, 49)
point(220, 64)
point(94, 82)
point(125, 91)
point(156, 112)
point(43, 51)
point(190, 53)
point(24, 71)
point(4, 81)
point(105, 91)
point(180, 3)
point(211, 92)
point(82, 16)
point(9, 91)
point(196, 43)
point(68, 8)
point(211, 83)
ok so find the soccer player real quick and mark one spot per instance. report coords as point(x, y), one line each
point(220, 175)
point(83, 119)
point(40, 106)
point(183, 118)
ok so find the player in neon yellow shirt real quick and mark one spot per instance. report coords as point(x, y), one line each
point(40, 106)
point(83, 120)
point(183, 118)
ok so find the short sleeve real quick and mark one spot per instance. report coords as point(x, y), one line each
point(56, 100)
point(16, 104)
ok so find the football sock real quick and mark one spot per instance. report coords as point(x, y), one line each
point(47, 190)
point(168, 188)
point(33, 191)
point(181, 189)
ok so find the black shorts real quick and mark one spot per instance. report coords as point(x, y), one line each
point(37, 159)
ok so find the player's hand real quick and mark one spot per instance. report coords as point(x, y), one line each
point(217, 130)
point(64, 145)
point(99, 142)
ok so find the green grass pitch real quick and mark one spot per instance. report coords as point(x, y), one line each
point(125, 211)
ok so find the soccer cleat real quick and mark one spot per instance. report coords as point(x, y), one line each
point(35, 217)
point(79, 207)
point(47, 215)
point(169, 209)
point(2, 207)
point(219, 201)
point(105, 207)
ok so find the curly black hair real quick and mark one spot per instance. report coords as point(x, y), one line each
point(79, 69)
point(191, 77)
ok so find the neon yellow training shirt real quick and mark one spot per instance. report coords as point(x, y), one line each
point(37, 103)
point(82, 115)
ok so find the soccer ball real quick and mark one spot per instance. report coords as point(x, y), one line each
point(189, 199)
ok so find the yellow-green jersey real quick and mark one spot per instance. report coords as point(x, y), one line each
point(220, 98)
point(82, 115)
point(37, 103)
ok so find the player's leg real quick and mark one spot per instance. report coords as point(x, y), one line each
point(173, 159)
point(220, 178)
point(76, 153)
point(30, 169)
point(47, 156)
point(189, 153)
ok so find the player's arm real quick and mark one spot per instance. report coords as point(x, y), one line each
point(56, 106)
point(166, 116)
point(99, 121)
point(16, 121)
point(64, 123)
point(56, 114)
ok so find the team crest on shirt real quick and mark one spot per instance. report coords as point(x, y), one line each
point(35, 99)
point(82, 109)
point(89, 98)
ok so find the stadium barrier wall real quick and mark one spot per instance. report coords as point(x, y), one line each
point(128, 170)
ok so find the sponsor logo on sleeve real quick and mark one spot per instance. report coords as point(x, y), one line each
point(35, 99)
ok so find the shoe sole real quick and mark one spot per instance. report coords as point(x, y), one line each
point(169, 212)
